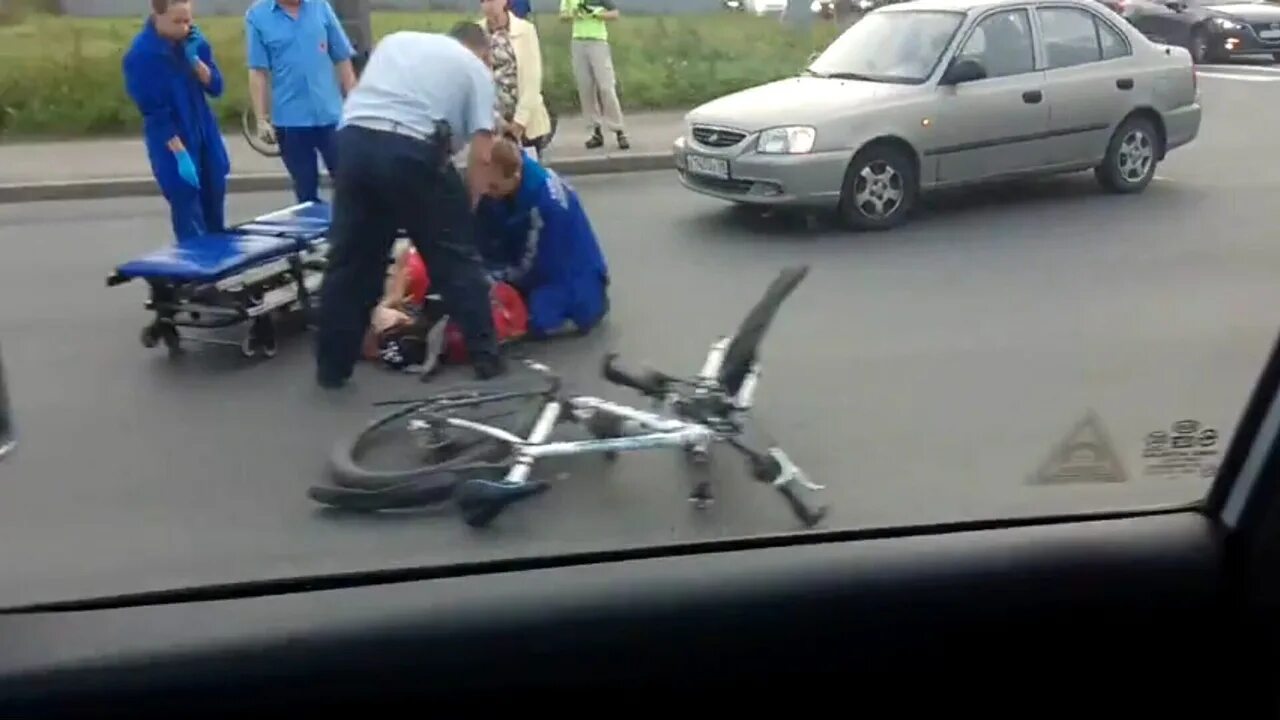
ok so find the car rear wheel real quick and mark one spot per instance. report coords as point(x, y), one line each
point(879, 190)
point(1130, 162)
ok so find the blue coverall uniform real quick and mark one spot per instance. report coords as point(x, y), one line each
point(172, 101)
point(519, 8)
point(541, 241)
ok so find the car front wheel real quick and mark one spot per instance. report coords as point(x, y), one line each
point(879, 188)
point(1130, 162)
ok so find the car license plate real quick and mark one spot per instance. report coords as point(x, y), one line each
point(703, 165)
point(1269, 34)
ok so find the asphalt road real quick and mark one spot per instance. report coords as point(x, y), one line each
point(922, 374)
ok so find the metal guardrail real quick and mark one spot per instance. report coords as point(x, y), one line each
point(6, 417)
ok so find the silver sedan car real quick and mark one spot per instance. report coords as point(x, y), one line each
point(931, 94)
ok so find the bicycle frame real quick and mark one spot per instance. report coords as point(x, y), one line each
point(642, 430)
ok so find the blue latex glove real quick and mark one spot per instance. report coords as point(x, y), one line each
point(192, 45)
point(187, 168)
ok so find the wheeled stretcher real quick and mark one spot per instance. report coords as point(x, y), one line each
point(243, 277)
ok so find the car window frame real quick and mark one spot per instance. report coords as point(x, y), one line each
point(988, 14)
point(1124, 37)
point(944, 58)
point(1097, 34)
point(971, 23)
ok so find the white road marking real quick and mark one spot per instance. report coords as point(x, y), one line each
point(1242, 78)
point(1241, 67)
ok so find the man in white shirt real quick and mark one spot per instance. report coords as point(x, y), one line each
point(401, 126)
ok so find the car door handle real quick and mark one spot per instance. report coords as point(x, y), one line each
point(1031, 97)
point(1125, 83)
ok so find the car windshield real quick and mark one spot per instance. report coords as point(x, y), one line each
point(253, 327)
point(898, 46)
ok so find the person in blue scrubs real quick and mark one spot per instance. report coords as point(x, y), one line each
point(169, 72)
point(300, 67)
point(536, 236)
point(519, 8)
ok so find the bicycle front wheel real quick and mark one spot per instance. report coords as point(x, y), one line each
point(431, 454)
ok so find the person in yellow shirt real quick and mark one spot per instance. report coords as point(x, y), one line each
point(593, 68)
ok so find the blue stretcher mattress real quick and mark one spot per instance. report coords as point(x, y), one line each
point(214, 256)
point(305, 222)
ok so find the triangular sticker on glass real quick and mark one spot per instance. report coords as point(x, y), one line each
point(1085, 455)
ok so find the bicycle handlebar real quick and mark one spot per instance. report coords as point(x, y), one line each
point(649, 382)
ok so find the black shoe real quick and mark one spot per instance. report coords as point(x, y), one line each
point(330, 382)
point(596, 140)
point(623, 142)
point(488, 367)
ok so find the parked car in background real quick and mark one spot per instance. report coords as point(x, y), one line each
point(942, 93)
point(1211, 31)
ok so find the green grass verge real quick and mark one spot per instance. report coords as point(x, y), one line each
point(60, 76)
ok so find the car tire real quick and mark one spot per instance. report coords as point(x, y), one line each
point(1275, 57)
point(1131, 157)
point(880, 188)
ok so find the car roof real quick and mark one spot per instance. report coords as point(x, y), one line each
point(968, 5)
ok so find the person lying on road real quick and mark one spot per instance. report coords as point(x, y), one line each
point(538, 238)
point(408, 332)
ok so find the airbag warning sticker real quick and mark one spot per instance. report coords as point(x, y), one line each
point(1187, 448)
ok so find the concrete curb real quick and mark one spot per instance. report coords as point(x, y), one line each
point(266, 182)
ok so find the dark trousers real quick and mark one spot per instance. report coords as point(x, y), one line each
point(390, 182)
point(196, 212)
point(299, 147)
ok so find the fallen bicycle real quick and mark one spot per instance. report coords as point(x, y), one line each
point(484, 468)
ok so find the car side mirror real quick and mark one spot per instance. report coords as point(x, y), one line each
point(963, 70)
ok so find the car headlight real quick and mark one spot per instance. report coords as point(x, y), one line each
point(794, 140)
point(1225, 24)
point(866, 4)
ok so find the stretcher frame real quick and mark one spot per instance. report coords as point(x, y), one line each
point(251, 297)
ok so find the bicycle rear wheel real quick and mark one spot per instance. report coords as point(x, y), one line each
point(436, 450)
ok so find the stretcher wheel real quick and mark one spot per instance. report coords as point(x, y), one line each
point(264, 336)
point(154, 334)
point(169, 334)
point(261, 338)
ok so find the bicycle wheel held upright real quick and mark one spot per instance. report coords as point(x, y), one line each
point(249, 128)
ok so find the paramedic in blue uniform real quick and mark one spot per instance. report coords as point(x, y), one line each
point(543, 244)
point(421, 98)
point(168, 72)
point(299, 71)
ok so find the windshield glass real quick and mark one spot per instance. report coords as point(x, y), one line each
point(217, 294)
point(902, 47)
